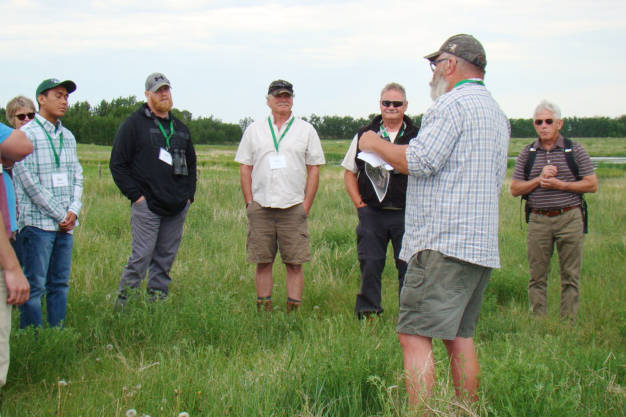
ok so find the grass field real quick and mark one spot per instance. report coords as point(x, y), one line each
point(206, 351)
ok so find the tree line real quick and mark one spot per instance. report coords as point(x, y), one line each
point(98, 124)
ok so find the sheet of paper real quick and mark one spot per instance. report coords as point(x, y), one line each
point(374, 160)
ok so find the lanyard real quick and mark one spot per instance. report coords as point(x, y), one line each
point(54, 151)
point(479, 82)
point(385, 135)
point(276, 142)
point(165, 135)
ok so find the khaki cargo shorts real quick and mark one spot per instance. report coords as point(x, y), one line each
point(270, 229)
point(441, 296)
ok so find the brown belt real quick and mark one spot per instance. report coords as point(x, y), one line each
point(553, 212)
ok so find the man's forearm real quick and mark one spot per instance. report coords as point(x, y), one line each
point(352, 187)
point(312, 183)
point(245, 172)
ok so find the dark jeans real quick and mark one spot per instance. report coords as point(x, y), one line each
point(46, 258)
point(375, 229)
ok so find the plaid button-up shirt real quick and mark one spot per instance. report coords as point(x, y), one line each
point(457, 165)
point(45, 191)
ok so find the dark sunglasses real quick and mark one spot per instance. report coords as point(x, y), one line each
point(23, 116)
point(387, 103)
point(539, 122)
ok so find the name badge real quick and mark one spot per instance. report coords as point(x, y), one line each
point(60, 179)
point(278, 161)
point(165, 156)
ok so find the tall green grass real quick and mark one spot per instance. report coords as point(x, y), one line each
point(205, 350)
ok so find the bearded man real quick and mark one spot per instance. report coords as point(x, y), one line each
point(456, 168)
point(153, 163)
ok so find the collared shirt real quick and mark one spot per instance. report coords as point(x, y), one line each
point(456, 166)
point(45, 192)
point(544, 198)
point(281, 185)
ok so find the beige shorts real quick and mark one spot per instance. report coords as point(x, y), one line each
point(270, 229)
point(441, 296)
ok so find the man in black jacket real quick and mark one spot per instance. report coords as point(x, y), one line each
point(378, 193)
point(153, 163)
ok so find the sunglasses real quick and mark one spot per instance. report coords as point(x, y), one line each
point(539, 122)
point(387, 103)
point(22, 116)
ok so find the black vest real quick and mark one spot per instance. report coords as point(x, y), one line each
point(396, 193)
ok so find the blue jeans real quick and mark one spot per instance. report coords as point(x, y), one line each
point(46, 259)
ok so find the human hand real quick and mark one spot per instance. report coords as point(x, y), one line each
point(368, 140)
point(68, 223)
point(139, 199)
point(551, 183)
point(549, 171)
point(17, 286)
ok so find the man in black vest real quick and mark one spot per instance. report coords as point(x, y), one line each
point(378, 193)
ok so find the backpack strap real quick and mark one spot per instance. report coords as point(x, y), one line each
point(532, 155)
point(570, 158)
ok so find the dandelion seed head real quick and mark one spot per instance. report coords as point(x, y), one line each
point(183, 414)
point(109, 347)
point(131, 412)
point(62, 383)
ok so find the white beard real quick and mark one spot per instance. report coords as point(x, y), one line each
point(438, 86)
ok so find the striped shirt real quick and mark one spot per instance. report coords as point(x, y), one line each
point(543, 198)
point(45, 191)
point(457, 165)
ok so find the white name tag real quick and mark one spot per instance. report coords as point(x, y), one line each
point(60, 180)
point(277, 161)
point(165, 156)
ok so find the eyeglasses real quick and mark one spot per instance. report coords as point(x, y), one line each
point(433, 64)
point(387, 103)
point(23, 116)
point(539, 122)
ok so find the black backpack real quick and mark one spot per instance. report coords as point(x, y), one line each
point(573, 167)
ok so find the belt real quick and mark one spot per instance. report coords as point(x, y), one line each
point(553, 212)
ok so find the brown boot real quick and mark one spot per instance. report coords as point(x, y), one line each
point(292, 305)
point(264, 303)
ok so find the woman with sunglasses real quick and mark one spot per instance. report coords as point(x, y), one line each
point(20, 110)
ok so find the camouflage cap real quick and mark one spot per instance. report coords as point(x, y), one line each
point(279, 87)
point(464, 46)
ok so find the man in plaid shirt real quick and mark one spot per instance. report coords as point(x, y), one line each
point(49, 187)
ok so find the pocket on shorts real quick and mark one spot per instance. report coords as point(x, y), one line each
point(415, 272)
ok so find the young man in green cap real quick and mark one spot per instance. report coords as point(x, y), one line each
point(49, 187)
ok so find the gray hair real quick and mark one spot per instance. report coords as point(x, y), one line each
point(394, 86)
point(549, 106)
point(17, 103)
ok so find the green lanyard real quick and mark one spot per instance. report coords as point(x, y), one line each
point(479, 82)
point(276, 142)
point(165, 135)
point(54, 151)
point(385, 135)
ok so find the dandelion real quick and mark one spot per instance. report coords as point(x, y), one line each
point(62, 383)
point(316, 307)
point(131, 412)
point(109, 347)
point(183, 414)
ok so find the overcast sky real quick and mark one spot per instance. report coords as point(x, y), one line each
point(220, 56)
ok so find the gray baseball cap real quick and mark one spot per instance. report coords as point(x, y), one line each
point(464, 46)
point(155, 81)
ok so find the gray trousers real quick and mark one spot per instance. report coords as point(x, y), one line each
point(155, 242)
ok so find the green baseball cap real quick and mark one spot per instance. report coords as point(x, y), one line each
point(50, 83)
point(464, 46)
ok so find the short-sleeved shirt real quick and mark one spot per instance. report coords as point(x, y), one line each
point(456, 166)
point(47, 191)
point(544, 198)
point(279, 177)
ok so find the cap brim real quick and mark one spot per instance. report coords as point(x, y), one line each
point(159, 85)
point(281, 91)
point(69, 85)
point(433, 56)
